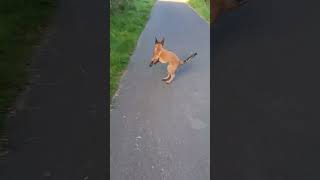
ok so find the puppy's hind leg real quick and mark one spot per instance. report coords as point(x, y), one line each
point(171, 78)
point(166, 78)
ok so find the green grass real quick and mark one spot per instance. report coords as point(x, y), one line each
point(21, 23)
point(126, 25)
point(202, 7)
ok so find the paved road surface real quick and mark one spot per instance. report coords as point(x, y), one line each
point(266, 92)
point(161, 131)
point(59, 129)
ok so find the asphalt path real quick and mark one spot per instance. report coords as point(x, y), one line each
point(266, 92)
point(58, 130)
point(161, 131)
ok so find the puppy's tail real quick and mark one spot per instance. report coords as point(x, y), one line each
point(189, 58)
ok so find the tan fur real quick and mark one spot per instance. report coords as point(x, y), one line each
point(162, 55)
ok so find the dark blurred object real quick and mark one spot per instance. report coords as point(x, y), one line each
point(221, 6)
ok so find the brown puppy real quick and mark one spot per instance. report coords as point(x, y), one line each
point(160, 54)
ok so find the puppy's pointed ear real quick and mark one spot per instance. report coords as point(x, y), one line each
point(162, 41)
point(155, 40)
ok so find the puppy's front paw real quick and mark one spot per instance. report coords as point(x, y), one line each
point(168, 82)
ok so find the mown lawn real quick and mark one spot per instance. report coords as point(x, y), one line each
point(127, 21)
point(202, 7)
point(21, 24)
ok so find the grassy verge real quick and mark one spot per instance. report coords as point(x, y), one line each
point(127, 21)
point(202, 7)
point(21, 23)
